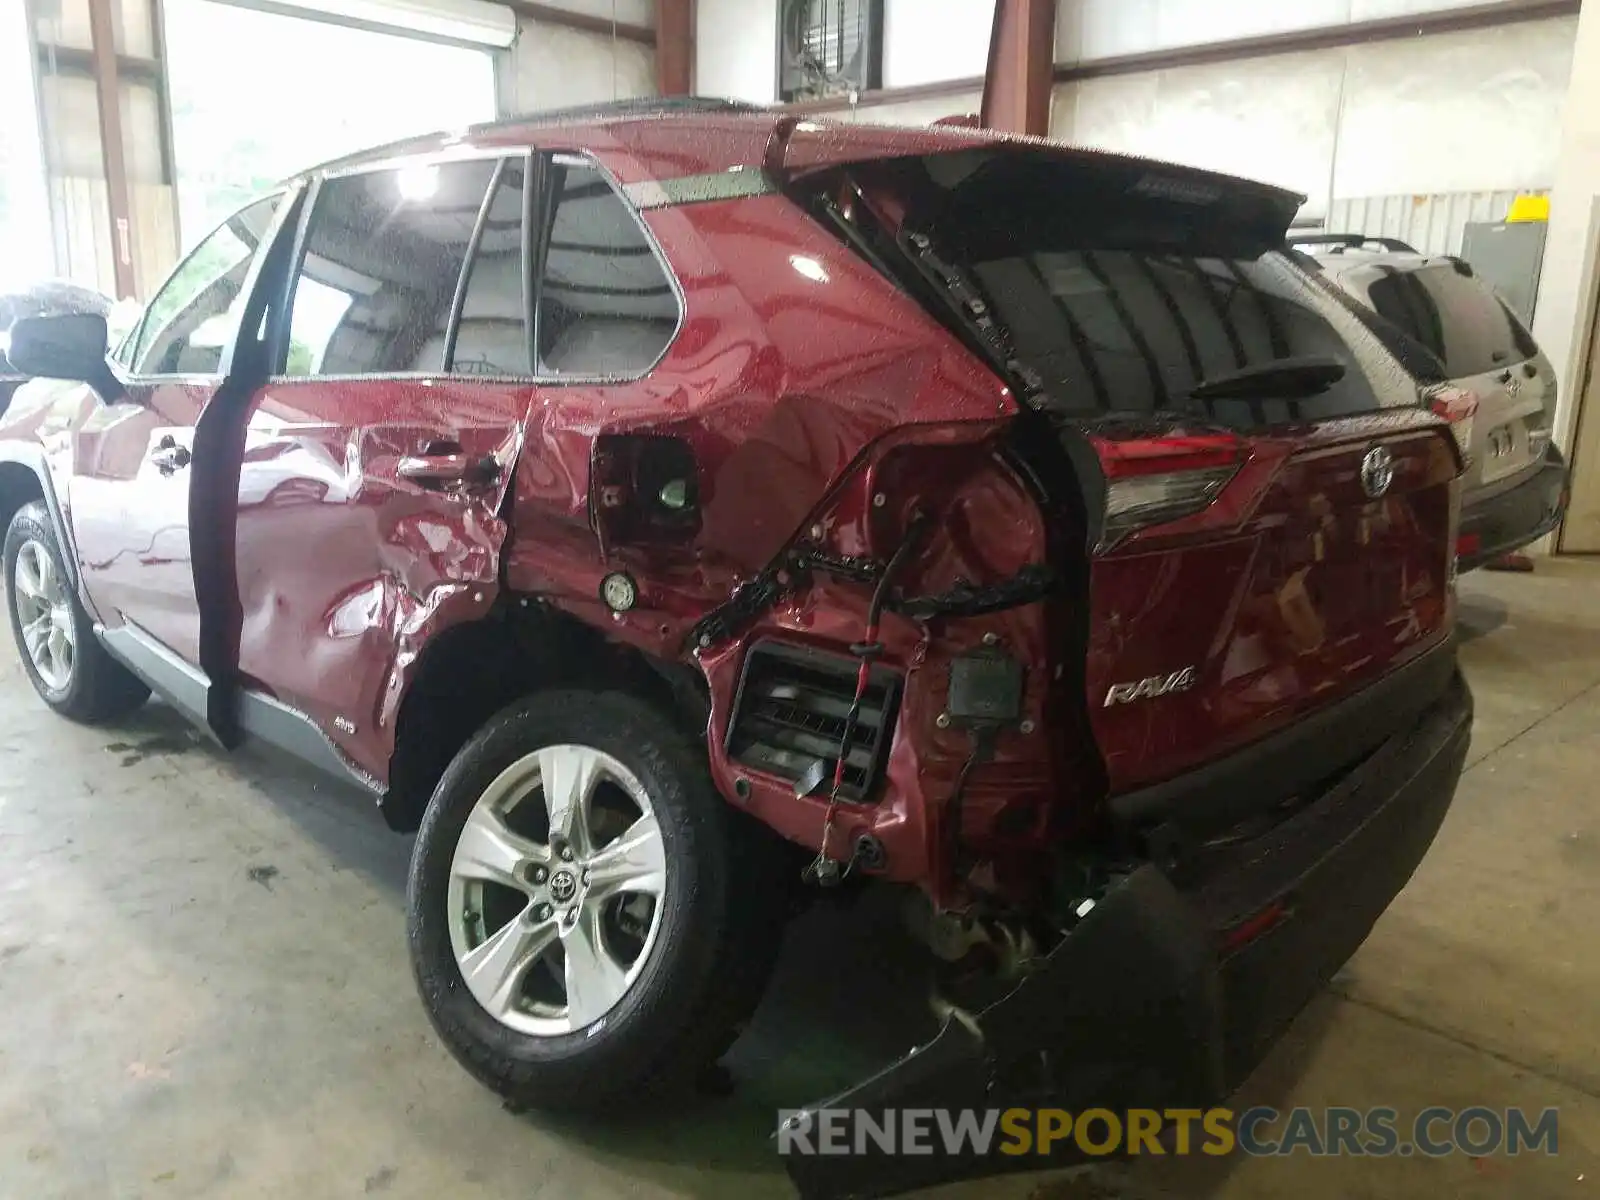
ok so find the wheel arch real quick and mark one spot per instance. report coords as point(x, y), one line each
point(24, 478)
point(472, 670)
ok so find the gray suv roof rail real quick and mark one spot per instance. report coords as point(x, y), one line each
point(1350, 241)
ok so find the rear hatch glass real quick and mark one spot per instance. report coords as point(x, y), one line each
point(1454, 315)
point(1118, 287)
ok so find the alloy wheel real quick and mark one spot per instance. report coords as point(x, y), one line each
point(44, 611)
point(555, 892)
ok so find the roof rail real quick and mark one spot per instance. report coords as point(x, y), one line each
point(1349, 241)
point(642, 107)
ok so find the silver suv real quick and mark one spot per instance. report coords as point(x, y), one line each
point(1463, 338)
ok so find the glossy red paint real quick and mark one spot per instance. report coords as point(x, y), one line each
point(781, 376)
point(1291, 590)
point(985, 527)
point(337, 633)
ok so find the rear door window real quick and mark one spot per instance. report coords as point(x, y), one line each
point(384, 253)
point(1455, 315)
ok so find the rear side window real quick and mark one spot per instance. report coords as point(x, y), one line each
point(1453, 314)
point(384, 253)
point(606, 306)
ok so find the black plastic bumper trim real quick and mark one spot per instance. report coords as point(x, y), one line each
point(1518, 516)
point(1306, 755)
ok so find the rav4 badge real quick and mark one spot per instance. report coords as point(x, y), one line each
point(1149, 689)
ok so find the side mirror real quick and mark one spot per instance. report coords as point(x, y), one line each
point(68, 346)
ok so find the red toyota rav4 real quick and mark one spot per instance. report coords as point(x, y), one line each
point(608, 491)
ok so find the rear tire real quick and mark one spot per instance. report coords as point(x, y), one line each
point(69, 668)
point(697, 901)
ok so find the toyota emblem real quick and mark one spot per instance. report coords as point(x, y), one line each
point(1377, 472)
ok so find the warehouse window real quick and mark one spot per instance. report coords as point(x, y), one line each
point(383, 254)
point(257, 96)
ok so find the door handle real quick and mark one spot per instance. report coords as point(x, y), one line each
point(449, 472)
point(169, 456)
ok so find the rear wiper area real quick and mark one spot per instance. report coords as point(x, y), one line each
point(1283, 378)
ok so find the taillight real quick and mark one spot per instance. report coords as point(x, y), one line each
point(1150, 481)
point(1459, 407)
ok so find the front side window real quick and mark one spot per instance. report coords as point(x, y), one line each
point(384, 252)
point(1456, 316)
point(194, 316)
point(606, 306)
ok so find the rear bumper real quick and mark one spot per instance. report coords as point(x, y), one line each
point(1511, 519)
point(1149, 1002)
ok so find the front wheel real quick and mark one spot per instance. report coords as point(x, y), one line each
point(587, 918)
point(69, 668)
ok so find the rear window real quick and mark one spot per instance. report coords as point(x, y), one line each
point(1455, 315)
point(1117, 288)
point(1118, 332)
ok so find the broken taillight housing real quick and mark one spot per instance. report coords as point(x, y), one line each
point(1459, 407)
point(1150, 481)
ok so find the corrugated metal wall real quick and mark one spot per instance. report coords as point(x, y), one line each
point(1433, 224)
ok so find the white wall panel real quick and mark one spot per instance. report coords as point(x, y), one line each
point(1453, 113)
point(553, 66)
point(1089, 29)
point(1195, 22)
point(1567, 285)
point(736, 49)
point(1271, 119)
point(1459, 112)
point(925, 41)
point(629, 12)
point(1432, 224)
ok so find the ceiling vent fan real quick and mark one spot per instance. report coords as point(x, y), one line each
point(829, 48)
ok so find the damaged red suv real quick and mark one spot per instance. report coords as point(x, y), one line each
point(661, 506)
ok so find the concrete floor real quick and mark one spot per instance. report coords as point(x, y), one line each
point(204, 988)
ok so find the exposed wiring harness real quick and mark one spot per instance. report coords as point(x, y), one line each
point(825, 869)
point(983, 740)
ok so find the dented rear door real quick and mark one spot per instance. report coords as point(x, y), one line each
point(377, 459)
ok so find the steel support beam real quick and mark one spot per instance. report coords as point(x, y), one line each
point(675, 47)
point(102, 34)
point(1016, 87)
